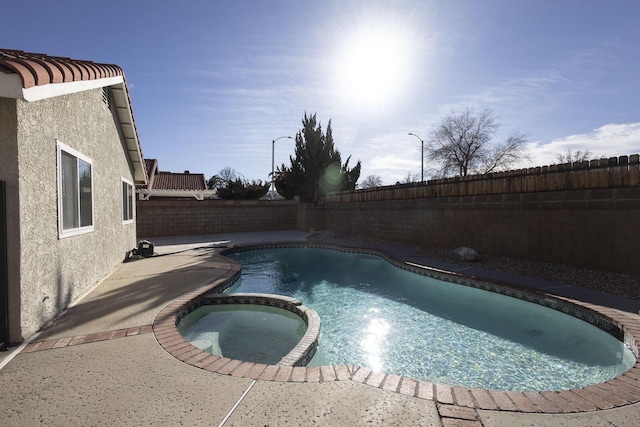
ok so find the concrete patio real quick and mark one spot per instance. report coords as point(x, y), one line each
point(101, 364)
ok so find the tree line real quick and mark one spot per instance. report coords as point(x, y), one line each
point(315, 170)
point(460, 144)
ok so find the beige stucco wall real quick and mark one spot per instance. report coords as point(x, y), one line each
point(9, 174)
point(53, 271)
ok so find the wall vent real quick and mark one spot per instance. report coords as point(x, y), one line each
point(107, 96)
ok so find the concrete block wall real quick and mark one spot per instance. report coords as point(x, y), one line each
point(588, 228)
point(592, 228)
point(172, 217)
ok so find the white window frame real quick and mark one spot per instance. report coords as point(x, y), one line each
point(62, 232)
point(128, 203)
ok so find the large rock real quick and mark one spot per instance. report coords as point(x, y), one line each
point(465, 254)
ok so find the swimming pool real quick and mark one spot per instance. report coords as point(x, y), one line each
point(379, 316)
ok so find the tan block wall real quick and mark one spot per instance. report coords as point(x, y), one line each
point(168, 217)
point(597, 229)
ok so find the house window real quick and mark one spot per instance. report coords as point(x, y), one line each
point(127, 201)
point(75, 192)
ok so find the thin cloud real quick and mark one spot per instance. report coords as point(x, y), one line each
point(610, 140)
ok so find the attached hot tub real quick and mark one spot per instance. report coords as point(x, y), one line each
point(257, 328)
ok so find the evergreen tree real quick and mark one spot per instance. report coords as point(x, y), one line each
point(317, 168)
point(231, 185)
point(241, 189)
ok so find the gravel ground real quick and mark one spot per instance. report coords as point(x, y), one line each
point(614, 283)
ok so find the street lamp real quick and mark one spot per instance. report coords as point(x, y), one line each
point(421, 158)
point(273, 149)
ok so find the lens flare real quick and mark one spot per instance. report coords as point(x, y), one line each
point(332, 179)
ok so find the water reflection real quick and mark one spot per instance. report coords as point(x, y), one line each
point(374, 341)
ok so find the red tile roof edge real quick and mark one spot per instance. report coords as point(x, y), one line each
point(38, 69)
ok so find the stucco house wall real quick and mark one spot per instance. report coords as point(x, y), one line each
point(50, 102)
point(9, 174)
point(54, 271)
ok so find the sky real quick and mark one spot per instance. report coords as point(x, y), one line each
point(213, 83)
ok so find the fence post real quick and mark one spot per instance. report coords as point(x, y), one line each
point(634, 170)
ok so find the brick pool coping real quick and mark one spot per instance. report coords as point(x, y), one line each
point(302, 353)
point(453, 402)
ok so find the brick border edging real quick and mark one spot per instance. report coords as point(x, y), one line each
point(620, 391)
point(302, 353)
point(48, 344)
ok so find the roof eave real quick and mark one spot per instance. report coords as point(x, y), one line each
point(122, 104)
point(36, 93)
point(197, 194)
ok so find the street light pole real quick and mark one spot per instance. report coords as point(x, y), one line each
point(421, 157)
point(273, 150)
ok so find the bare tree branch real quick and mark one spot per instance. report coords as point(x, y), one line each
point(371, 181)
point(462, 143)
point(574, 156)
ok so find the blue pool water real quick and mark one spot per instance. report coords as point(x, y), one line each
point(379, 316)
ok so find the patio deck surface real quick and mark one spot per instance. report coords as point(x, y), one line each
point(102, 363)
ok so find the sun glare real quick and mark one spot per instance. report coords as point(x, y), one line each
point(373, 67)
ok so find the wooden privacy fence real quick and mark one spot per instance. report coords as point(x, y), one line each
point(614, 172)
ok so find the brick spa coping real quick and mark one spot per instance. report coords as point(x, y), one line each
point(620, 391)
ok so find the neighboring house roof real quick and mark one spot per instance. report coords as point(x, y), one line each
point(151, 167)
point(35, 76)
point(179, 181)
point(171, 184)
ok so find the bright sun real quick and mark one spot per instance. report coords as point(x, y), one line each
point(373, 67)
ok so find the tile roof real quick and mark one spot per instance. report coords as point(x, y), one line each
point(151, 166)
point(186, 181)
point(37, 69)
point(179, 181)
